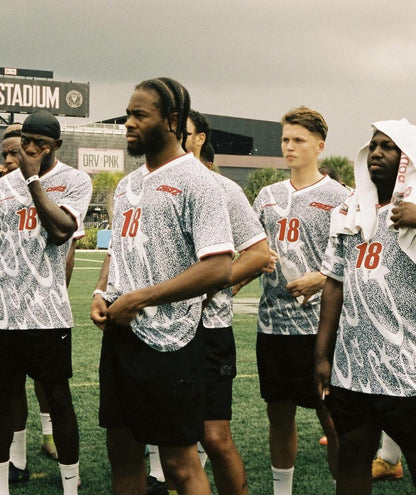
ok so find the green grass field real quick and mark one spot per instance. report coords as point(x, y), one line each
point(249, 423)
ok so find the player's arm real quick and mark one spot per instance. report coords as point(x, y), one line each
point(331, 305)
point(309, 284)
point(99, 305)
point(207, 275)
point(59, 223)
point(70, 261)
point(252, 261)
point(248, 265)
point(404, 215)
point(240, 278)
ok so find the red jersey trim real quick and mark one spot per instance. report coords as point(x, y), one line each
point(309, 185)
point(150, 170)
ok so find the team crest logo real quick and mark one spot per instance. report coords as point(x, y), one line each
point(74, 98)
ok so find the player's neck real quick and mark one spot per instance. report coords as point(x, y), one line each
point(47, 166)
point(305, 176)
point(164, 156)
point(384, 195)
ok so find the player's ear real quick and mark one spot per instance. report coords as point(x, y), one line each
point(174, 122)
point(202, 137)
point(57, 144)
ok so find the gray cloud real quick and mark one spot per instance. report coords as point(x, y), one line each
point(354, 61)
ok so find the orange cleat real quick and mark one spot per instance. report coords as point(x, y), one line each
point(383, 470)
point(323, 441)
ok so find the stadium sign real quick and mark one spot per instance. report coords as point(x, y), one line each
point(19, 95)
point(94, 160)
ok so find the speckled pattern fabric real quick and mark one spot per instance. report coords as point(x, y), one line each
point(297, 226)
point(247, 231)
point(376, 341)
point(164, 221)
point(33, 293)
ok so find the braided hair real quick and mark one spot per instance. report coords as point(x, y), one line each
point(173, 97)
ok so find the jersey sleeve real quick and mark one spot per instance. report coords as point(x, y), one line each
point(77, 197)
point(209, 219)
point(246, 227)
point(79, 233)
point(257, 206)
point(333, 261)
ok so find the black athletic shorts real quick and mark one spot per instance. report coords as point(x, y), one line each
point(44, 355)
point(286, 367)
point(394, 415)
point(220, 371)
point(159, 395)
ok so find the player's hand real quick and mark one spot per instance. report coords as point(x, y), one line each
point(124, 309)
point(30, 164)
point(271, 265)
point(237, 288)
point(404, 215)
point(208, 299)
point(322, 377)
point(98, 311)
point(307, 285)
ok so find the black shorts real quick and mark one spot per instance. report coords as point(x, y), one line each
point(44, 355)
point(286, 366)
point(220, 371)
point(394, 415)
point(159, 395)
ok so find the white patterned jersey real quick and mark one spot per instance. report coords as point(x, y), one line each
point(297, 227)
point(164, 221)
point(33, 293)
point(247, 231)
point(375, 350)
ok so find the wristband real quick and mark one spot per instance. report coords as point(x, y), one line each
point(32, 179)
point(97, 291)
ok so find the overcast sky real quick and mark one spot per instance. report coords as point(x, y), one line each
point(352, 60)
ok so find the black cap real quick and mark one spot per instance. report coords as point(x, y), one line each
point(43, 123)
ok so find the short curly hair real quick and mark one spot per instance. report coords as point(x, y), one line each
point(13, 130)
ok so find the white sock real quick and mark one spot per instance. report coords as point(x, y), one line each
point(4, 478)
point(202, 454)
point(155, 466)
point(70, 477)
point(18, 449)
point(282, 481)
point(46, 421)
point(390, 451)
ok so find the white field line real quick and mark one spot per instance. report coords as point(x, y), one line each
point(87, 267)
point(88, 260)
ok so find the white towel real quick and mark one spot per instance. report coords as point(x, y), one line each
point(359, 212)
